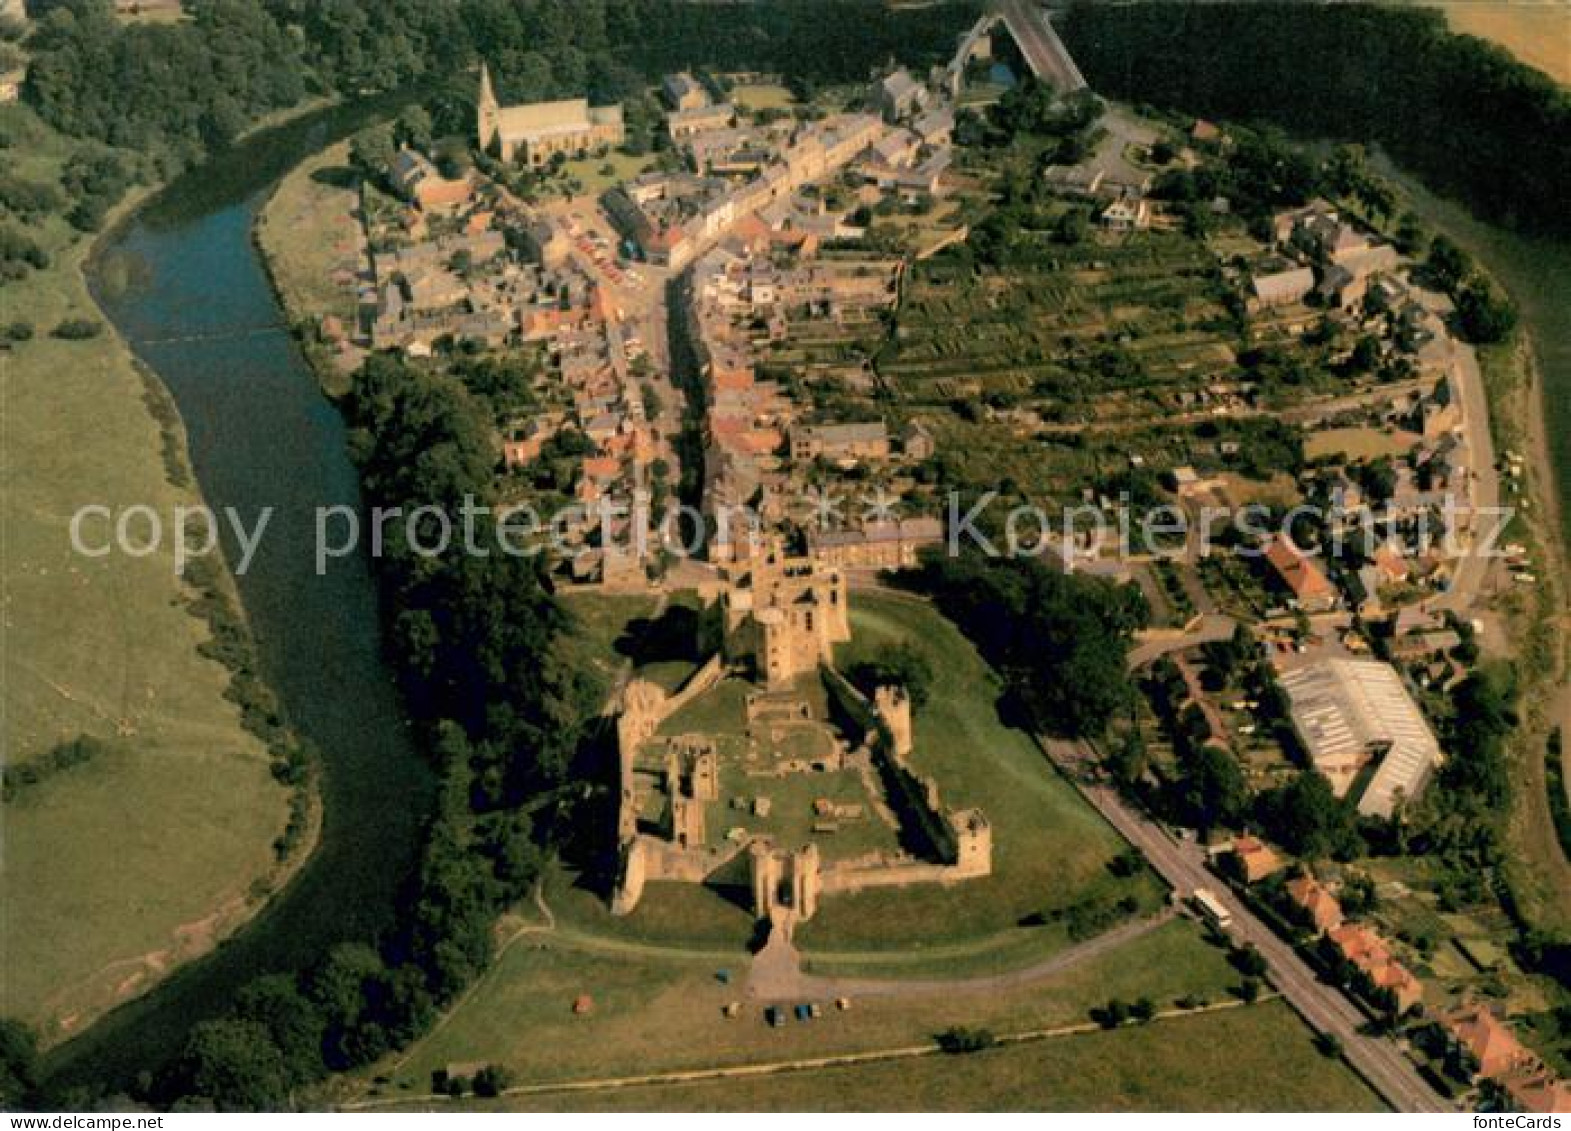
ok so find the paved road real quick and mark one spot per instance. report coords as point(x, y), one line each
point(1044, 52)
point(1213, 628)
point(1473, 566)
point(1378, 1060)
point(776, 973)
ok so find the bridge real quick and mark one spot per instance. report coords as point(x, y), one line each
point(1031, 29)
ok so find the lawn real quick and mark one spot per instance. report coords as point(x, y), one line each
point(1050, 849)
point(597, 174)
point(660, 1010)
point(115, 871)
point(761, 96)
point(1258, 1058)
point(1358, 443)
point(600, 621)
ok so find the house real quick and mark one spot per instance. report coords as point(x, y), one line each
point(1486, 1045)
point(899, 96)
point(538, 131)
point(1368, 953)
point(11, 85)
point(417, 181)
point(683, 92)
point(877, 545)
point(1281, 285)
point(1322, 908)
point(1422, 644)
point(1075, 180)
point(1537, 1092)
point(1406, 990)
point(682, 124)
point(547, 243)
point(916, 442)
point(1255, 859)
point(1349, 713)
point(1205, 133)
point(1391, 567)
point(1312, 590)
point(1127, 215)
point(936, 127)
point(840, 441)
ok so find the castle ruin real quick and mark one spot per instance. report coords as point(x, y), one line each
point(783, 805)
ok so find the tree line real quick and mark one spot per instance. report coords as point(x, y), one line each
point(1462, 114)
point(1059, 640)
point(474, 640)
point(175, 91)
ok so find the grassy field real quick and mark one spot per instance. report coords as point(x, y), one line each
point(596, 174)
point(117, 870)
point(1357, 443)
point(658, 1010)
point(310, 235)
point(1258, 1058)
point(1538, 32)
point(761, 96)
point(1049, 848)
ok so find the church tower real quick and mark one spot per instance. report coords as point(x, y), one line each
point(488, 111)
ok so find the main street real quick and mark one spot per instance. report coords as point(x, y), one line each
point(1325, 1008)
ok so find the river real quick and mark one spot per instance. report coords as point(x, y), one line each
point(200, 311)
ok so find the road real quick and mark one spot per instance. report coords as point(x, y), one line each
point(776, 974)
point(1326, 1009)
point(1484, 475)
point(1213, 628)
point(1044, 52)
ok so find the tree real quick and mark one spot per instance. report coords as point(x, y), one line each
point(18, 1064)
point(293, 1023)
point(960, 1039)
point(1485, 315)
point(234, 1063)
point(1307, 819)
point(492, 1080)
point(1248, 960)
point(1211, 792)
point(372, 151)
point(1059, 640)
point(1111, 1015)
point(903, 666)
point(1072, 227)
point(1448, 263)
point(414, 128)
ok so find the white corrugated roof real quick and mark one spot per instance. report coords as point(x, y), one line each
point(1346, 708)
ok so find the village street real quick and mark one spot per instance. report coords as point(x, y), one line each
point(1325, 1008)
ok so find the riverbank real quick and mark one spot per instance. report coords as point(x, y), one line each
point(124, 867)
point(197, 310)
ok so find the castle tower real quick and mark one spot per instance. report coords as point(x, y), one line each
point(805, 881)
point(893, 706)
point(766, 877)
point(488, 112)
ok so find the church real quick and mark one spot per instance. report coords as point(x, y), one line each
point(534, 133)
